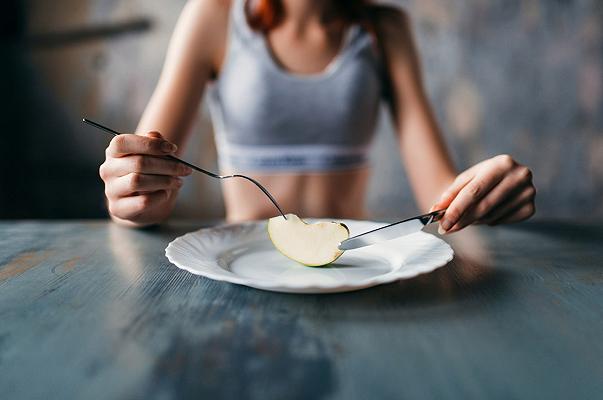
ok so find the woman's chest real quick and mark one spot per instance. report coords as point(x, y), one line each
point(339, 106)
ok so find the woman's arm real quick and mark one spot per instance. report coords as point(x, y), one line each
point(193, 57)
point(427, 162)
point(497, 190)
point(140, 185)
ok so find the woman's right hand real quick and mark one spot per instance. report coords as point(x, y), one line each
point(140, 183)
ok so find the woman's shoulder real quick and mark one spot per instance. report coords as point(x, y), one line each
point(216, 5)
point(392, 26)
point(203, 24)
point(388, 18)
point(206, 17)
point(208, 10)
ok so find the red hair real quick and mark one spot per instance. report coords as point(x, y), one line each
point(263, 15)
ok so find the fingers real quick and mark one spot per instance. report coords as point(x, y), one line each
point(139, 180)
point(525, 197)
point(452, 191)
point(467, 204)
point(468, 196)
point(511, 185)
point(506, 191)
point(521, 213)
point(495, 166)
point(135, 183)
point(143, 165)
point(131, 207)
point(150, 144)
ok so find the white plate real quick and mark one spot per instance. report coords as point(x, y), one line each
point(243, 254)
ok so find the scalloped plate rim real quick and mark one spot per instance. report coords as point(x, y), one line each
point(288, 287)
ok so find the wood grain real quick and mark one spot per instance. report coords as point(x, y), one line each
point(21, 263)
point(91, 310)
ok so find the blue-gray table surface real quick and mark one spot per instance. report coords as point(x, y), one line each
point(89, 310)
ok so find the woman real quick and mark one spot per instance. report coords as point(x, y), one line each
point(294, 87)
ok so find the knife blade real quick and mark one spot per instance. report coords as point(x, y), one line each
point(391, 231)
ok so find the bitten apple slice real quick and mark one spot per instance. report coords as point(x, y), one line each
point(313, 245)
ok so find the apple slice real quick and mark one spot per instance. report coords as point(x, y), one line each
point(313, 245)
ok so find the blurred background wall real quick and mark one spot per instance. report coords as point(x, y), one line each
point(523, 77)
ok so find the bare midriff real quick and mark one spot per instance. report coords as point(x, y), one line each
point(337, 194)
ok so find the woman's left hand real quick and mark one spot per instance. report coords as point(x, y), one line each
point(495, 191)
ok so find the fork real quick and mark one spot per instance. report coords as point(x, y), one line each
point(196, 168)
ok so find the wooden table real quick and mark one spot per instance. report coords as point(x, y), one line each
point(89, 310)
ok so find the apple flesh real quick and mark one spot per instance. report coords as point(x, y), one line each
point(313, 245)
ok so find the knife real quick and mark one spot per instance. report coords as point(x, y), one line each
point(392, 231)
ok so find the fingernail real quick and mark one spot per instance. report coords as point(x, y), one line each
point(188, 170)
point(168, 147)
point(179, 182)
point(445, 225)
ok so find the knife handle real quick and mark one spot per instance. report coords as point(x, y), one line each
point(432, 217)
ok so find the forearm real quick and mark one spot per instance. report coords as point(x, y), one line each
point(171, 112)
point(141, 182)
point(426, 159)
point(190, 61)
point(497, 190)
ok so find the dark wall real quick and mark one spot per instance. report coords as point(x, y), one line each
point(523, 77)
point(52, 54)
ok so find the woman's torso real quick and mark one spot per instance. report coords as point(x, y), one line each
point(304, 136)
